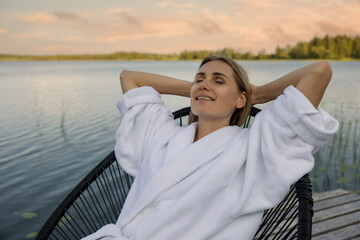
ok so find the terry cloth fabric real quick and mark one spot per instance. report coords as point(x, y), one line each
point(107, 232)
point(218, 186)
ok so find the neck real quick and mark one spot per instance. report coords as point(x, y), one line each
point(206, 127)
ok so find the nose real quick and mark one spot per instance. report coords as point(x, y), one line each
point(204, 85)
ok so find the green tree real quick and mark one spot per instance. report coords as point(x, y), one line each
point(248, 56)
point(318, 52)
point(330, 47)
point(281, 53)
point(186, 55)
point(300, 51)
point(355, 52)
point(343, 46)
point(262, 55)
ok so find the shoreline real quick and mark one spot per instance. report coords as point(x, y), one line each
point(167, 60)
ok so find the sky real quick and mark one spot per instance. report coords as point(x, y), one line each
point(45, 27)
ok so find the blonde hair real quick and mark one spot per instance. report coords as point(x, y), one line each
point(242, 81)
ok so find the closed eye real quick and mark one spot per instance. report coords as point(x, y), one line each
point(219, 80)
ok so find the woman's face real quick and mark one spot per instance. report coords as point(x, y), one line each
point(214, 93)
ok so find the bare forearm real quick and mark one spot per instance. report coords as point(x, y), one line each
point(162, 84)
point(311, 80)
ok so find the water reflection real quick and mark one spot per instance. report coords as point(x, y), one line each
point(64, 108)
point(337, 163)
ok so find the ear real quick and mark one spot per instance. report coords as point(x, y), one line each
point(241, 102)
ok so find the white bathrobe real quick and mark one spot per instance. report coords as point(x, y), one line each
point(218, 186)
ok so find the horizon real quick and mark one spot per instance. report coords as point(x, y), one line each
point(168, 27)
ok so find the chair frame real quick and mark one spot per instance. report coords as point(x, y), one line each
point(290, 219)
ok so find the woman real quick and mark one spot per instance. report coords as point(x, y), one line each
point(213, 179)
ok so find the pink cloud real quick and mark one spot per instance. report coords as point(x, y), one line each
point(278, 34)
point(150, 27)
point(129, 19)
point(186, 5)
point(333, 29)
point(46, 18)
point(286, 22)
point(40, 18)
point(30, 35)
point(164, 4)
point(251, 26)
point(205, 26)
point(145, 27)
point(61, 48)
point(68, 16)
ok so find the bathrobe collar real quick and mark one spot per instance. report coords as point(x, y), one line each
point(182, 158)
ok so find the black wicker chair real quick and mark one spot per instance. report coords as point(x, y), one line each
point(98, 199)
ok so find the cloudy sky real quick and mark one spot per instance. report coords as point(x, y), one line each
point(168, 26)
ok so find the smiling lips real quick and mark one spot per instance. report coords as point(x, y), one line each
point(204, 98)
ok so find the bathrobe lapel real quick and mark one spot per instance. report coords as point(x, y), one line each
point(183, 157)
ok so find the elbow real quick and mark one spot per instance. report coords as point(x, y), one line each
point(123, 80)
point(127, 80)
point(123, 75)
point(323, 71)
point(325, 67)
point(314, 84)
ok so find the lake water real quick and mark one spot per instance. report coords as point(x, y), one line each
point(58, 120)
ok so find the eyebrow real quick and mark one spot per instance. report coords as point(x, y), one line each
point(214, 73)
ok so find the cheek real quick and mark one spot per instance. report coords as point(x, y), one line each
point(230, 98)
point(192, 91)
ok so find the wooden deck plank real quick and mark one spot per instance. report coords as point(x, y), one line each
point(336, 223)
point(329, 194)
point(336, 216)
point(332, 202)
point(350, 232)
point(336, 211)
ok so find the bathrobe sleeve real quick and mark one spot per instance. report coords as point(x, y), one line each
point(144, 118)
point(282, 140)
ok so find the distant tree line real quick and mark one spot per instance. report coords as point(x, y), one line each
point(124, 56)
point(338, 47)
